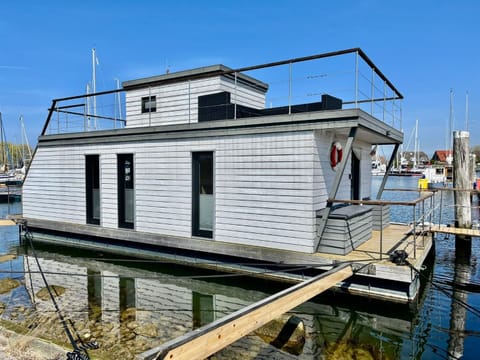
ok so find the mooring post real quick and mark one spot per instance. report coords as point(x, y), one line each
point(461, 179)
point(458, 313)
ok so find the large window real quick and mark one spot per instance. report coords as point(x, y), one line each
point(92, 182)
point(203, 197)
point(126, 198)
point(149, 104)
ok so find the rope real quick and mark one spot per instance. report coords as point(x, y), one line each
point(465, 305)
point(79, 351)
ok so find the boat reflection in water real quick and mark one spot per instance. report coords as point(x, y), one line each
point(130, 306)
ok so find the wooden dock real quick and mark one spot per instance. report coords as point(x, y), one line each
point(211, 338)
point(455, 231)
point(5, 222)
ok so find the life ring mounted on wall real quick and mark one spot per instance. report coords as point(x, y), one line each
point(336, 154)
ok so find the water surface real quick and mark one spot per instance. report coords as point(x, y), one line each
point(129, 305)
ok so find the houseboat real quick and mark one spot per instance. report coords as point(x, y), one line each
point(214, 163)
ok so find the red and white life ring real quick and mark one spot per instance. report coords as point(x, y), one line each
point(336, 154)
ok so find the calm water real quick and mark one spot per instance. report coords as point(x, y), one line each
point(130, 305)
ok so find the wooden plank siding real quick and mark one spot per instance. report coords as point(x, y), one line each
point(324, 174)
point(178, 103)
point(268, 187)
point(269, 205)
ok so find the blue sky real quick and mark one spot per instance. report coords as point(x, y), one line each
point(425, 48)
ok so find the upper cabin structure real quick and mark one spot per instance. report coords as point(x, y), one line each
point(214, 160)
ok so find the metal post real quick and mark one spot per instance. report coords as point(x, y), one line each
point(381, 231)
point(389, 167)
point(432, 207)
point(384, 98)
point(189, 104)
point(356, 79)
point(441, 208)
point(423, 222)
point(8, 198)
point(401, 115)
point(84, 118)
point(290, 90)
point(235, 103)
point(393, 110)
point(149, 106)
point(414, 232)
point(373, 91)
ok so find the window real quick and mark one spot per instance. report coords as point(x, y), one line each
point(94, 293)
point(203, 309)
point(149, 104)
point(92, 187)
point(126, 199)
point(127, 294)
point(203, 197)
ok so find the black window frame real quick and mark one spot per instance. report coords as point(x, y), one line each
point(147, 102)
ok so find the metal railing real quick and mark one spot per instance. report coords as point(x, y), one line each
point(348, 75)
point(421, 215)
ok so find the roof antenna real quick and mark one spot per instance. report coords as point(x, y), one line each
point(167, 67)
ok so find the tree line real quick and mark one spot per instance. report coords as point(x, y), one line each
point(14, 155)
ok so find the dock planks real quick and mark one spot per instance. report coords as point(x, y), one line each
point(5, 222)
point(454, 230)
point(203, 342)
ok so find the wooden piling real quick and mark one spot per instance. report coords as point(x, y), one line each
point(461, 179)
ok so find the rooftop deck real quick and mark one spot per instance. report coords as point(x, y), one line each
point(284, 87)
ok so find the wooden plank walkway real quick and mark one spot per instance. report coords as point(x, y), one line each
point(7, 257)
point(207, 340)
point(455, 231)
point(4, 222)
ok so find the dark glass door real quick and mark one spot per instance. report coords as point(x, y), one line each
point(92, 182)
point(355, 178)
point(126, 205)
point(203, 200)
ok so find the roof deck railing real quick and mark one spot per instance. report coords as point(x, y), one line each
point(348, 75)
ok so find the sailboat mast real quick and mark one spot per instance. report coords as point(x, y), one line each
point(25, 140)
point(450, 124)
point(94, 81)
point(416, 143)
point(2, 142)
point(88, 107)
point(466, 111)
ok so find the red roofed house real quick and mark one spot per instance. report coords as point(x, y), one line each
point(441, 156)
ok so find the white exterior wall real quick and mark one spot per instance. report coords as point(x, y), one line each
point(363, 152)
point(178, 103)
point(263, 184)
point(55, 187)
point(325, 175)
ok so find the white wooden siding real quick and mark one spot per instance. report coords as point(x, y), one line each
point(364, 150)
point(267, 187)
point(324, 174)
point(55, 188)
point(178, 103)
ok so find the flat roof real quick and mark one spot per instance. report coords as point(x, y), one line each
point(201, 72)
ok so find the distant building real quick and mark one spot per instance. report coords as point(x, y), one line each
point(410, 157)
point(440, 156)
